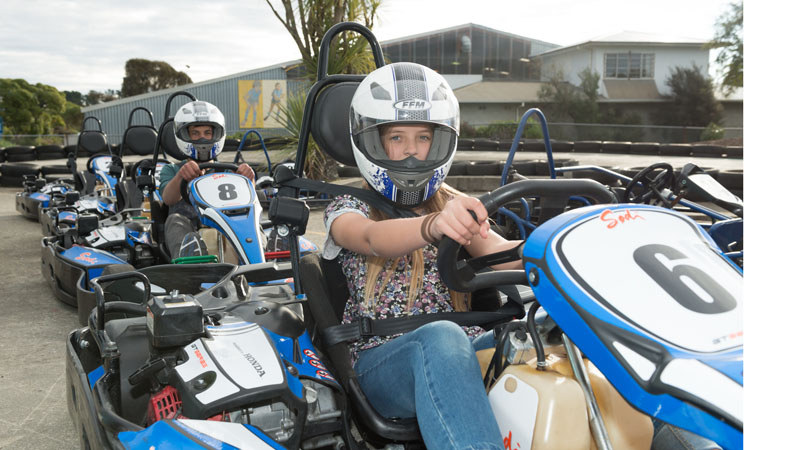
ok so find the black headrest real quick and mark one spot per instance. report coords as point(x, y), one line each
point(92, 141)
point(168, 140)
point(330, 124)
point(140, 139)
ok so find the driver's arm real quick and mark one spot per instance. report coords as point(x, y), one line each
point(172, 193)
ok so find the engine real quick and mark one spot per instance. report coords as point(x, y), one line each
point(251, 364)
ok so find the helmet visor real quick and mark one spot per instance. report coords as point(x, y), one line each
point(371, 143)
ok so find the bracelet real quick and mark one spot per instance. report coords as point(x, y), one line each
point(425, 228)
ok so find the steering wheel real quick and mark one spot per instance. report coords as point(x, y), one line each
point(461, 275)
point(223, 167)
point(652, 185)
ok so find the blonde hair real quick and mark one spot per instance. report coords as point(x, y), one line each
point(375, 264)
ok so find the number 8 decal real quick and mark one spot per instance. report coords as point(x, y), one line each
point(227, 191)
point(672, 280)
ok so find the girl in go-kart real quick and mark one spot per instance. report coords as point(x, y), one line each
point(404, 145)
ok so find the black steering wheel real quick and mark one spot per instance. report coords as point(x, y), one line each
point(462, 275)
point(215, 166)
point(655, 178)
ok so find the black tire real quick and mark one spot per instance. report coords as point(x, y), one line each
point(735, 152)
point(644, 148)
point(675, 150)
point(18, 170)
point(731, 179)
point(55, 170)
point(43, 152)
point(11, 181)
point(69, 149)
point(231, 144)
point(621, 148)
point(562, 146)
point(465, 144)
point(532, 146)
point(708, 151)
point(485, 168)
point(458, 168)
point(20, 153)
point(586, 147)
point(486, 145)
point(2, 155)
point(526, 168)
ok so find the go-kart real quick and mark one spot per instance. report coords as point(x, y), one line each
point(38, 194)
point(210, 356)
point(658, 184)
point(642, 291)
point(96, 186)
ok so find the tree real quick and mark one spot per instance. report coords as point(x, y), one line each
point(95, 97)
point(31, 109)
point(74, 97)
point(692, 99)
point(728, 38)
point(143, 76)
point(307, 21)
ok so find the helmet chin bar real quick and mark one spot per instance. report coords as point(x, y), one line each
point(410, 181)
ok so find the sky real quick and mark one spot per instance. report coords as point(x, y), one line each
point(83, 44)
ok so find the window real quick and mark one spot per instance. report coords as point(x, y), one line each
point(629, 65)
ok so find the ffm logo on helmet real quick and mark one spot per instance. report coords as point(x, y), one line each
point(414, 104)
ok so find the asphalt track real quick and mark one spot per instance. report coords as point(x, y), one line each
point(34, 324)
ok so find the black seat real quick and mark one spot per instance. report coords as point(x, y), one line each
point(327, 119)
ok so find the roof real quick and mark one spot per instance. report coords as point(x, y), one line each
point(499, 92)
point(634, 37)
point(458, 27)
point(134, 98)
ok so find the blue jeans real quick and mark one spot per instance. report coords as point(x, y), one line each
point(668, 437)
point(432, 374)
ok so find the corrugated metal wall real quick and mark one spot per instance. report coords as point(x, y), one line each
point(221, 92)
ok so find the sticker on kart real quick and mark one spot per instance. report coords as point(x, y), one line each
point(675, 286)
point(222, 190)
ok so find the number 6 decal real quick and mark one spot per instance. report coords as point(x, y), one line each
point(672, 280)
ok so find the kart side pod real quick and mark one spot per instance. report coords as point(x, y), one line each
point(546, 409)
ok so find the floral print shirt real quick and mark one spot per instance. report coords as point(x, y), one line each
point(433, 297)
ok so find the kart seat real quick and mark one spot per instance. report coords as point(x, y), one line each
point(131, 338)
point(326, 289)
point(168, 143)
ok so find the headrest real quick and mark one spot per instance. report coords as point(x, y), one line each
point(330, 124)
point(140, 139)
point(92, 141)
point(168, 140)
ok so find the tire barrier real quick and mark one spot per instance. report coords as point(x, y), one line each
point(586, 147)
point(485, 168)
point(675, 150)
point(13, 174)
point(562, 146)
point(733, 180)
point(20, 153)
point(465, 144)
point(347, 171)
point(43, 152)
point(600, 177)
point(485, 145)
point(619, 147)
point(458, 168)
point(644, 148)
point(711, 151)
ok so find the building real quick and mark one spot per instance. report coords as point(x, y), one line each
point(496, 76)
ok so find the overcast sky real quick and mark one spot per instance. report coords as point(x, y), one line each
point(83, 44)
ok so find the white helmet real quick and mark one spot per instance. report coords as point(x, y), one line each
point(404, 93)
point(200, 113)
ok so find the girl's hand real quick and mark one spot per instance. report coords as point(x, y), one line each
point(456, 222)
